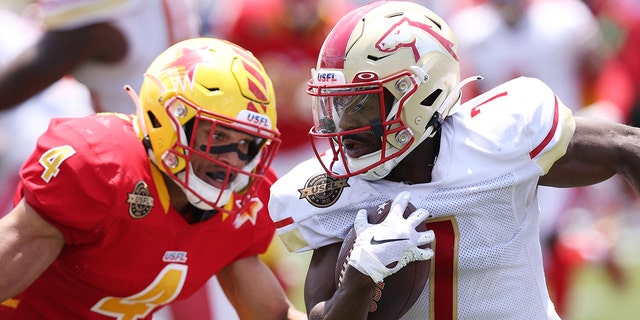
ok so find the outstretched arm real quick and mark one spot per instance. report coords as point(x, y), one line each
point(598, 150)
point(254, 291)
point(28, 245)
point(56, 54)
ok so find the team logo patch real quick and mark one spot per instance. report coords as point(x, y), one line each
point(140, 200)
point(323, 190)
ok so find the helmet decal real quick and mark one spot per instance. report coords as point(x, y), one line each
point(256, 83)
point(406, 32)
point(365, 76)
point(189, 61)
point(330, 77)
point(251, 106)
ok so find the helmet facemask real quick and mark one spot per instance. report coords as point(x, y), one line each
point(361, 117)
point(203, 147)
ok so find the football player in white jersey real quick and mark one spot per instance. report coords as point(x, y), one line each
point(386, 93)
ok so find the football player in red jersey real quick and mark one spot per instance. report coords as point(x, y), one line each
point(118, 215)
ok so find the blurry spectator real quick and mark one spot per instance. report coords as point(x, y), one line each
point(619, 81)
point(558, 41)
point(286, 35)
point(105, 44)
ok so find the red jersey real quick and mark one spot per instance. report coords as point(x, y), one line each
point(127, 251)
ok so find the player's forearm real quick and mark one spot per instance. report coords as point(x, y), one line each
point(18, 268)
point(28, 245)
point(253, 290)
point(350, 301)
point(630, 157)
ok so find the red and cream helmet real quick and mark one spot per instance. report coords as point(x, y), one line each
point(214, 82)
point(404, 54)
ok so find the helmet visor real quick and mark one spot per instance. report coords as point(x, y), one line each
point(344, 109)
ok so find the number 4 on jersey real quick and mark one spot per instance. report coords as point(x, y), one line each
point(52, 159)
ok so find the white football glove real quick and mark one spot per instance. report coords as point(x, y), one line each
point(393, 240)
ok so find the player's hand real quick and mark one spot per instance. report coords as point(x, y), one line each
point(382, 249)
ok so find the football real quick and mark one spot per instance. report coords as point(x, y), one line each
point(399, 291)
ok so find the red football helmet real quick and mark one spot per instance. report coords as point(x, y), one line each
point(390, 69)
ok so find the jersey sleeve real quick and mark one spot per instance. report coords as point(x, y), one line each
point(67, 180)
point(521, 123)
point(72, 14)
point(550, 123)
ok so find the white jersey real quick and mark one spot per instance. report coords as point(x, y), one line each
point(149, 26)
point(482, 199)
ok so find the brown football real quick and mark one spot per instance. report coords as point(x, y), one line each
point(399, 291)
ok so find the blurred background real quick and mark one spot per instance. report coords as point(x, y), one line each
point(588, 51)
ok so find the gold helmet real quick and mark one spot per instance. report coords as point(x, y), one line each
point(401, 56)
point(216, 83)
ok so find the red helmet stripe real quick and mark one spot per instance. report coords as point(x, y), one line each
point(247, 57)
point(334, 48)
point(257, 84)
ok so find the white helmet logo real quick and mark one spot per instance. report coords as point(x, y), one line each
point(412, 34)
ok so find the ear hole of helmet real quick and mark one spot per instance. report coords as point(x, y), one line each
point(431, 98)
point(154, 120)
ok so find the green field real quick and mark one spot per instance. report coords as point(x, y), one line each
point(594, 297)
point(593, 294)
